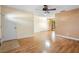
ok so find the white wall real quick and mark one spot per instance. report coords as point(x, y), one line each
point(24, 21)
point(25, 26)
point(40, 24)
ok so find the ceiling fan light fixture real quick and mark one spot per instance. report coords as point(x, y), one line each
point(46, 13)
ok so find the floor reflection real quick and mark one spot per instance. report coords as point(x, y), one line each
point(53, 35)
point(48, 39)
point(42, 42)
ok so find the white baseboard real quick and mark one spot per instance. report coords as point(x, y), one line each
point(2, 40)
point(68, 37)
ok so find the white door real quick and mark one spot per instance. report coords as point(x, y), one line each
point(9, 29)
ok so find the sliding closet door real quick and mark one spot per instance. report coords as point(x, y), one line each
point(9, 28)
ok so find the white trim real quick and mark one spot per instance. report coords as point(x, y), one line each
point(17, 38)
point(68, 37)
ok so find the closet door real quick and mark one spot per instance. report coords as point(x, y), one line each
point(9, 29)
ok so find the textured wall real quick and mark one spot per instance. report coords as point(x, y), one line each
point(67, 23)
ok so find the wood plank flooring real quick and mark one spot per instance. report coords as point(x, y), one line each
point(40, 43)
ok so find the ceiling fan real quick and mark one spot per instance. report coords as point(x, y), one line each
point(46, 9)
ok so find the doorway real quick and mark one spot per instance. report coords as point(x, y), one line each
point(51, 24)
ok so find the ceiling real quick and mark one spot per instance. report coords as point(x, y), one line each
point(37, 9)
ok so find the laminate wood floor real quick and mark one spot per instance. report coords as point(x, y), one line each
point(42, 42)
